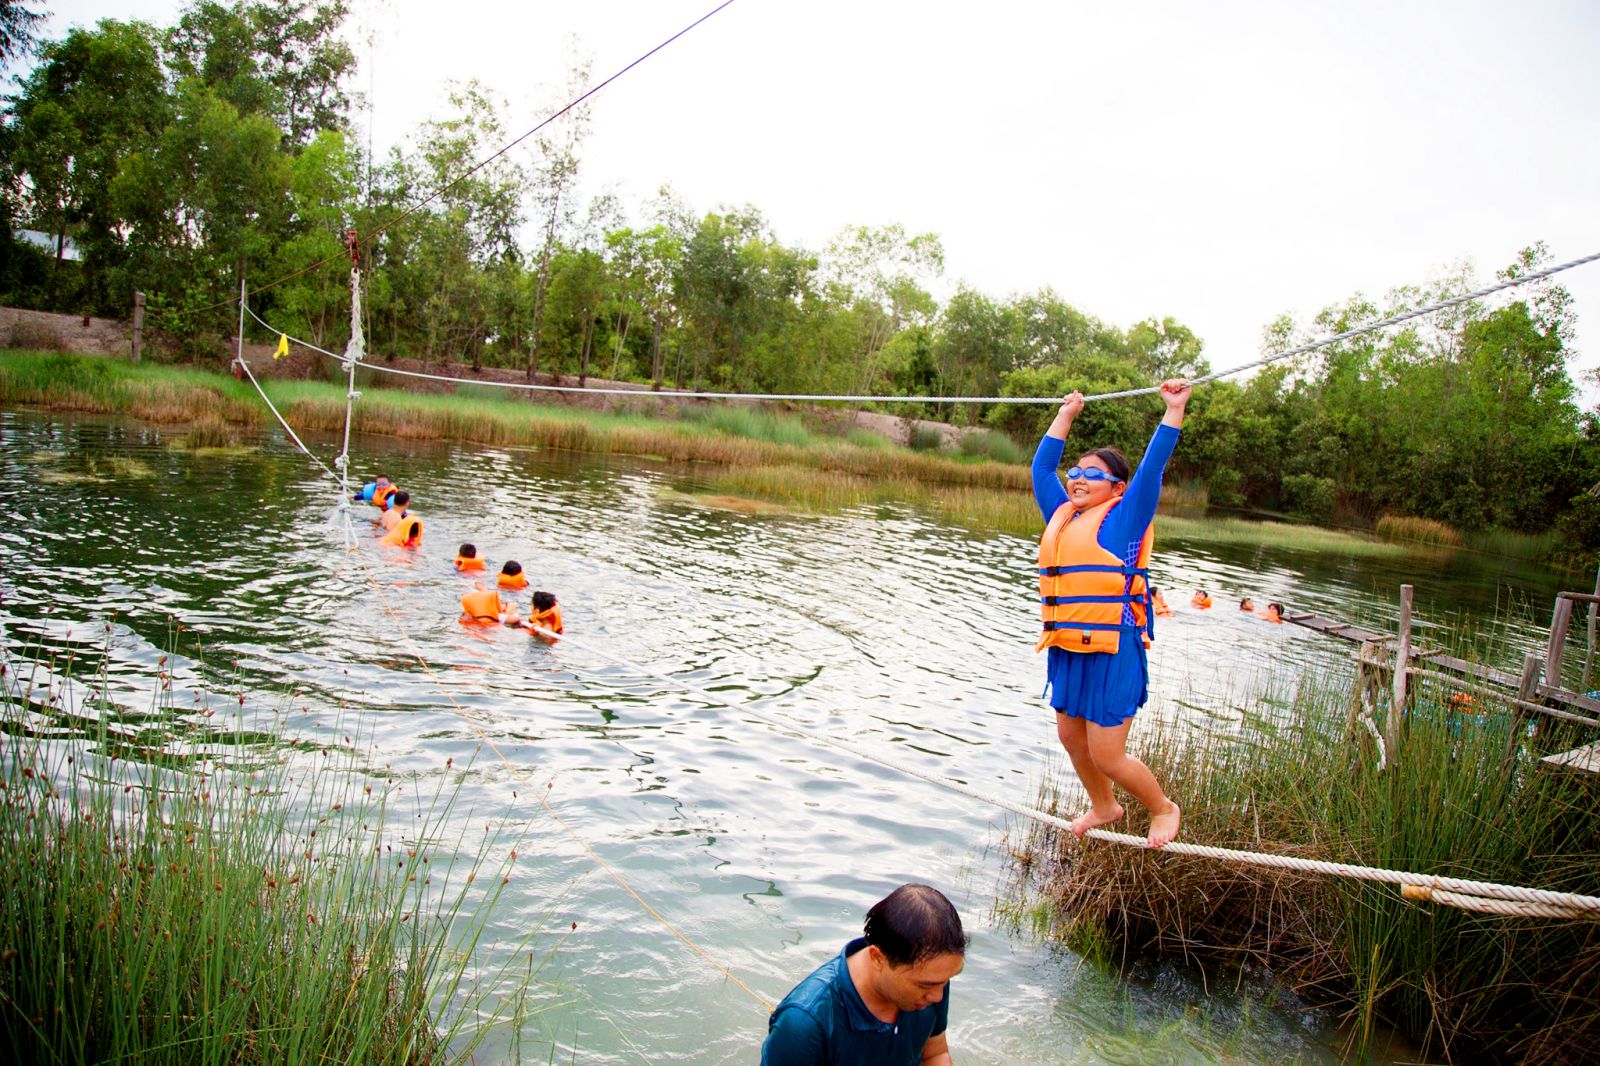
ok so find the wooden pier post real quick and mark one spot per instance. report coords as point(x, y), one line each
point(1559, 622)
point(138, 325)
point(1527, 690)
point(1588, 656)
point(1402, 668)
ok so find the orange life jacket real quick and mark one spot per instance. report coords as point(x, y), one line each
point(381, 494)
point(1200, 600)
point(1159, 602)
point(1083, 587)
point(481, 605)
point(406, 532)
point(468, 565)
point(512, 581)
point(547, 619)
point(1273, 616)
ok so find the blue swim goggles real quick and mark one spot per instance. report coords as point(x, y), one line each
point(1090, 473)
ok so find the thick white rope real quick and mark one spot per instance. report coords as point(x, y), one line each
point(1372, 327)
point(1588, 906)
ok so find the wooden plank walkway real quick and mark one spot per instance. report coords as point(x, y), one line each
point(1488, 674)
point(1585, 759)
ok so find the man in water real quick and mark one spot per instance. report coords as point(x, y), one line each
point(884, 998)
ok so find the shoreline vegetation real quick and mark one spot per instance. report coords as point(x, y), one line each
point(195, 900)
point(1465, 796)
point(749, 460)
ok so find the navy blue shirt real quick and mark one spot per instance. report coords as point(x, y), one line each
point(823, 1022)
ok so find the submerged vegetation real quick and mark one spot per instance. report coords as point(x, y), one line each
point(1465, 797)
point(186, 907)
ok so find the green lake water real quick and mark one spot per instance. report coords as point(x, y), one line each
point(880, 628)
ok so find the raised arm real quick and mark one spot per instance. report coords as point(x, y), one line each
point(1048, 492)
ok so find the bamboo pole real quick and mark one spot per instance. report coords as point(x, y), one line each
point(1402, 669)
point(1560, 620)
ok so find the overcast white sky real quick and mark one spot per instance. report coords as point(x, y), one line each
point(1222, 163)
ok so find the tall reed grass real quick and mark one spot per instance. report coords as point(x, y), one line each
point(176, 911)
point(991, 444)
point(1453, 802)
point(1406, 529)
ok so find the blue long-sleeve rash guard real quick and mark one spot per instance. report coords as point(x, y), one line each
point(1124, 527)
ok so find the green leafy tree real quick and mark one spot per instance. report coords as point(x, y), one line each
point(278, 58)
point(96, 97)
point(879, 275)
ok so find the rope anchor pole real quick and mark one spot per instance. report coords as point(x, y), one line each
point(353, 353)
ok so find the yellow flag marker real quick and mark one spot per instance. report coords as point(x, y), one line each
point(283, 346)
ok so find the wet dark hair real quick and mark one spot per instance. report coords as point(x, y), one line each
point(467, 551)
point(543, 601)
point(400, 499)
point(512, 567)
point(1115, 461)
point(912, 923)
point(1276, 607)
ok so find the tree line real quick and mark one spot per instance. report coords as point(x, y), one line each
point(175, 160)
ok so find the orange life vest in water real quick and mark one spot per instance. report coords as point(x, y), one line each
point(547, 619)
point(1083, 587)
point(512, 581)
point(481, 605)
point(406, 532)
point(381, 494)
point(468, 565)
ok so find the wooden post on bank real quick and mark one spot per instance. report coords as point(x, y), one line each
point(1527, 690)
point(138, 325)
point(1402, 669)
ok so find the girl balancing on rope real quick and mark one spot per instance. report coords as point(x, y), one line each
point(1093, 588)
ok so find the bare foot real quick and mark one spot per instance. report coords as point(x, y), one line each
point(1095, 817)
point(1164, 826)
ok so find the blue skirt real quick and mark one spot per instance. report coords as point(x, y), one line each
point(1099, 687)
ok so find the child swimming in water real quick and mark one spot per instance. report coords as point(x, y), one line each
point(1201, 599)
point(1274, 612)
point(483, 606)
point(467, 560)
point(1247, 604)
point(511, 576)
point(545, 621)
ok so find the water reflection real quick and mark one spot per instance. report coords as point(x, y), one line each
point(878, 628)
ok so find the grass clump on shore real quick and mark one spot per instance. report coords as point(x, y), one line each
point(1405, 529)
point(200, 914)
point(1465, 986)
